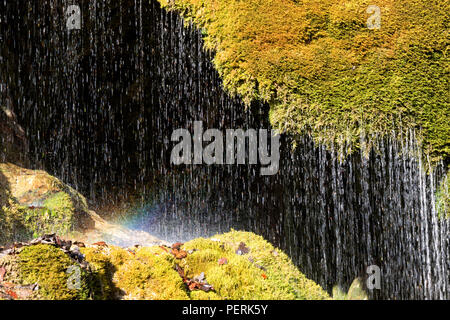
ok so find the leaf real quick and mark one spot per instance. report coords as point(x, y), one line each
point(177, 245)
point(179, 254)
point(164, 248)
point(11, 293)
point(100, 244)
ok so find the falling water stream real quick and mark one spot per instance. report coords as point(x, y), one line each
point(99, 105)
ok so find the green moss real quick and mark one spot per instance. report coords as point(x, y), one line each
point(325, 73)
point(150, 278)
point(355, 292)
point(149, 273)
point(103, 270)
point(33, 203)
point(47, 267)
point(264, 273)
point(443, 198)
point(146, 274)
point(55, 216)
point(22, 223)
point(12, 227)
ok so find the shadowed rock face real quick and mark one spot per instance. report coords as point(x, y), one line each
point(13, 143)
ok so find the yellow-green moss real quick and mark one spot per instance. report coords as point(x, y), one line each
point(150, 273)
point(443, 198)
point(146, 274)
point(263, 273)
point(103, 270)
point(33, 203)
point(12, 225)
point(355, 292)
point(22, 223)
point(47, 267)
point(323, 71)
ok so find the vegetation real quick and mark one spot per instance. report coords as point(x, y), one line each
point(33, 203)
point(443, 198)
point(355, 292)
point(47, 267)
point(150, 272)
point(264, 273)
point(156, 273)
point(147, 273)
point(323, 71)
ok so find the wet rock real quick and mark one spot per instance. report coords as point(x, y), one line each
point(13, 142)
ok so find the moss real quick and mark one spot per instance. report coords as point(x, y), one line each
point(443, 198)
point(150, 278)
point(103, 270)
point(355, 292)
point(23, 223)
point(47, 267)
point(55, 216)
point(146, 274)
point(151, 273)
point(12, 224)
point(325, 73)
point(263, 273)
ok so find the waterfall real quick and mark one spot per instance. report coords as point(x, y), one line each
point(99, 105)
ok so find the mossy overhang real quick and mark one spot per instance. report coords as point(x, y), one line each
point(326, 73)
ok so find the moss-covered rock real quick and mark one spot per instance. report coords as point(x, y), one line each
point(49, 269)
point(235, 265)
point(443, 198)
point(263, 273)
point(147, 273)
point(325, 72)
point(34, 203)
point(150, 272)
point(355, 292)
